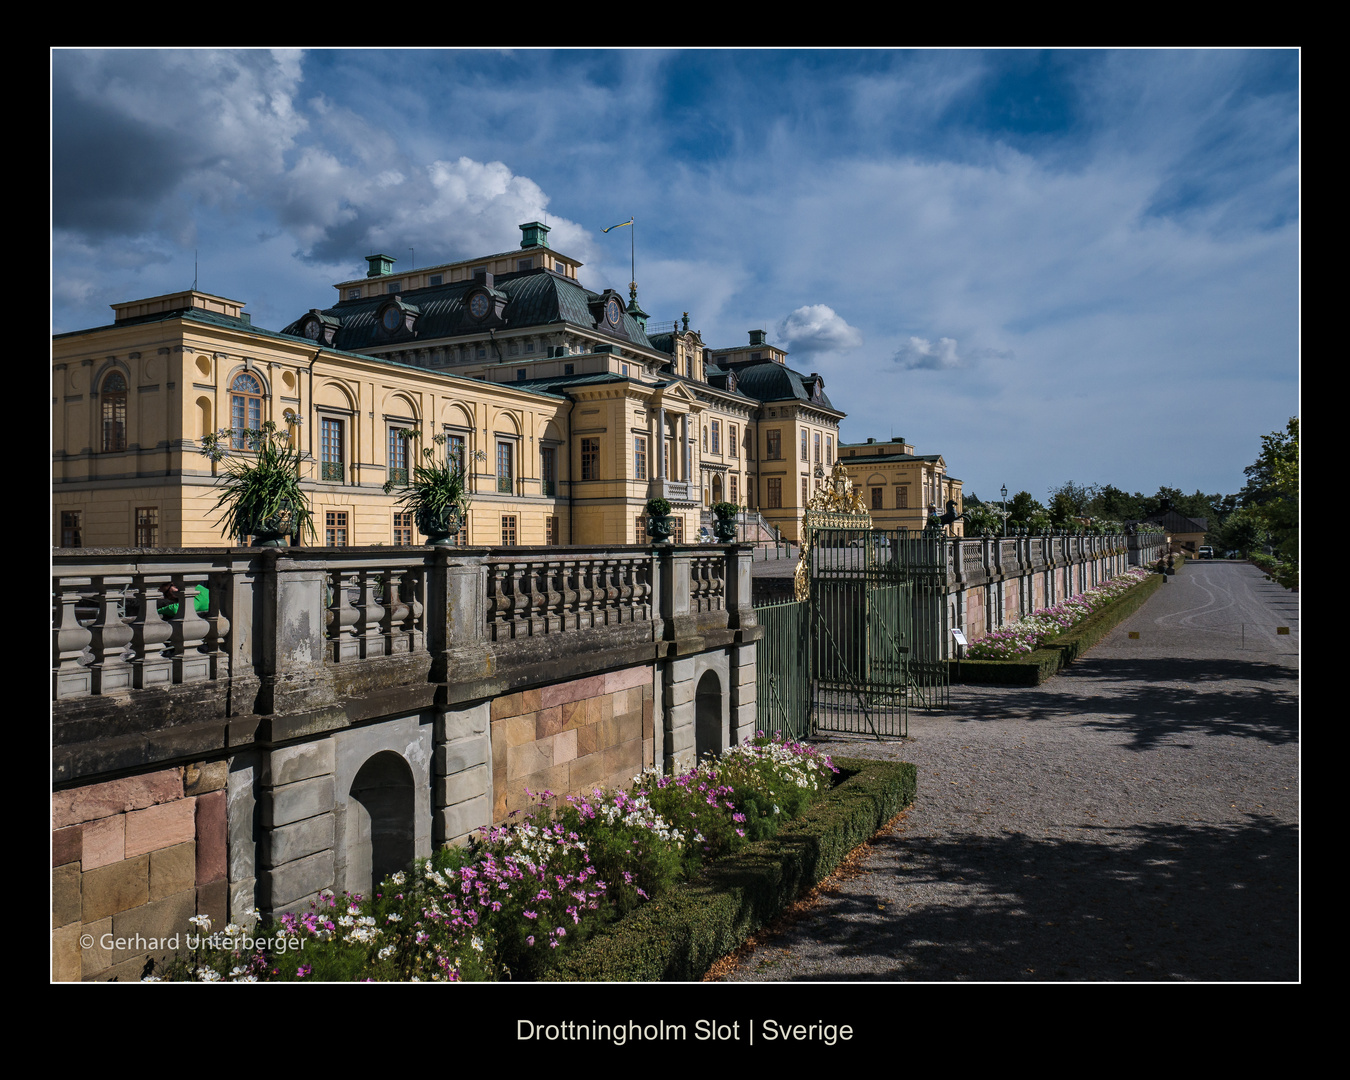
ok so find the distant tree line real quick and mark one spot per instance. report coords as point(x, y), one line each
point(1260, 521)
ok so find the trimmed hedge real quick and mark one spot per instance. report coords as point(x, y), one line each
point(679, 935)
point(1042, 663)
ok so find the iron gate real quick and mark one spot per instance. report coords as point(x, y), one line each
point(865, 646)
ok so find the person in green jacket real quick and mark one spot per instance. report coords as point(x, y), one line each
point(168, 606)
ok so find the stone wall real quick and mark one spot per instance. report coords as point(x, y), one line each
point(572, 737)
point(132, 860)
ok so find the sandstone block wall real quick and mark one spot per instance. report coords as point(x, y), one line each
point(134, 859)
point(572, 737)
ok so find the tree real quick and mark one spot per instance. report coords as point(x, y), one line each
point(1022, 506)
point(1272, 496)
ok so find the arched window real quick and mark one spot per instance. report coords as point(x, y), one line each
point(114, 399)
point(245, 407)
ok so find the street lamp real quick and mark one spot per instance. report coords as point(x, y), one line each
point(1004, 492)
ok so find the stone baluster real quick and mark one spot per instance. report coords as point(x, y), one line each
point(343, 618)
point(217, 647)
point(415, 626)
point(109, 637)
point(148, 634)
point(557, 585)
point(70, 678)
point(370, 614)
point(396, 611)
point(189, 633)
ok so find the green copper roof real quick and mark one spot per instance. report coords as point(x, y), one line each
point(535, 298)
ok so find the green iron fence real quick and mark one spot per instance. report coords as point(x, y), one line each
point(865, 647)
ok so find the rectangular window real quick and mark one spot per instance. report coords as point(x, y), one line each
point(815, 438)
point(403, 528)
point(804, 457)
point(462, 537)
point(716, 437)
point(508, 530)
point(749, 445)
point(548, 469)
point(775, 492)
point(733, 448)
point(590, 459)
point(70, 529)
point(829, 449)
point(902, 498)
point(398, 457)
point(551, 534)
point(520, 374)
point(335, 528)
point(436, 279)
point(353, 294)
point(506, 483)
point(805, 496)
point(454, 448)
point(639, 457)
point(679, 530)
point(876, 498)
point(734, 495)
point(569, 369)
point(641, 529)
point(330, 450)
point(393, 287)
point(524, 264)
point(147, 526)
point(774, 444)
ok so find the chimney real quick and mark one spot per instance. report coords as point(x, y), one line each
point(380, 265)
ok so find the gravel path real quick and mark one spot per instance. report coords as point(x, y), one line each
point(1134, 818)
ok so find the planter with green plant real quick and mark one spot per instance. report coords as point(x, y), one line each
point(659, 522)
point(724, 525)
point(260, 488)
point(435, 493)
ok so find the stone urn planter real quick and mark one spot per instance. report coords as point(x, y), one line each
point(724, 522)
point(659, 522)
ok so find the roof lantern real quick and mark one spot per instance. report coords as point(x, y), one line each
point(380, 265)
point(534, 234)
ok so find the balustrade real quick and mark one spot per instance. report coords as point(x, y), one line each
point(109, 635)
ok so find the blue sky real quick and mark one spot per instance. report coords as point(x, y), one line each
point(1044, 265)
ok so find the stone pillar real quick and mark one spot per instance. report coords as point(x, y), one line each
point(462, 789)
point(661, 427)
point(744, 714)
point(296, 858)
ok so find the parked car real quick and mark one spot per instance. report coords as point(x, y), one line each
point(1206, 553)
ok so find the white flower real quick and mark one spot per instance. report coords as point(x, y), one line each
point(207, 975)
point(202, 922)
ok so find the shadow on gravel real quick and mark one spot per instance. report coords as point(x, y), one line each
point(1165, 902)
point(1146, 712)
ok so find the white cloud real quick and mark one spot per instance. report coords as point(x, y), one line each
point(817, 328)
point(917, 352)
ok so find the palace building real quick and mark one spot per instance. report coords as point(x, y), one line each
point(566, 414)
point(899, 487)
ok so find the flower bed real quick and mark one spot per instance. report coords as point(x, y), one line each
point(523, 894)
point(1064, 646)
point(1024, 636)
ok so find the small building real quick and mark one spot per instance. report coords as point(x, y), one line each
point(899, 487)
point(1186, 535)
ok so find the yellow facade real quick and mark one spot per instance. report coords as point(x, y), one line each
point(901, 488)
point(566, 429)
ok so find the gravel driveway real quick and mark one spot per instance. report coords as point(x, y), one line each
point(1134, 818)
